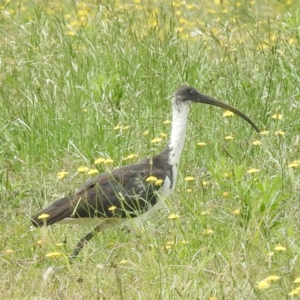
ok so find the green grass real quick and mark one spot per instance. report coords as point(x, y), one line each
point(70, 75)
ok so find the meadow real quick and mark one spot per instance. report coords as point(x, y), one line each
point(85, 87)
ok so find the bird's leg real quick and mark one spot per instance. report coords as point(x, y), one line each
point(82, 242)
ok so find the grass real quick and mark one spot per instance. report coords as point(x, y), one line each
point(71, 74)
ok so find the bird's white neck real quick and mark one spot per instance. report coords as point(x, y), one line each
point(178, 132)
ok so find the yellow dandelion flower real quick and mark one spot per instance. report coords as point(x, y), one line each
point(173, 216)
point(62, 174)
point(39, 243)
point(126, 127)
point(70, 33)
point(189, 190)
point(272, 278)
point(167, 122)
point(228, 137)
point(297, 280)
point(294, 164)
point(225, 194)
point(82, 169)
point(8, 251)
point(156, 140)
point(99, 160)
point(205, 212)
point(92, 172)
point(158, 182)
point(207, 232)
point(280, 248)
point(43, 216)
point(205, 183)
point(151, 179)
point(183, 242)
point(201, 144)
point(123, 261)
point(145, 133)
point(265, 132)
point(163, 135)
point(108, 161)
point(59, 244)
point(53, 255)
point(262, 285)
point(169, 245)
point(84, 110)
point(227, 175)
point(252, 171)
point(294, 292)
point(277, 116)
point(256, 143)
point(112, 208)
point(227, 113)
point(189, 178)
point(118, 127)
point(279, 132)
point(130, 156)
point(236, 212)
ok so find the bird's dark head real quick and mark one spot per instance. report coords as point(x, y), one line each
point(188, 95)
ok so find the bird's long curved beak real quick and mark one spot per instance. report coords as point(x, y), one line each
point(212, 101)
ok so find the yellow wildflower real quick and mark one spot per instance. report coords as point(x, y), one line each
point(228, 113)
point(163, 135)
point(279, 132)
point(189, 178)
point(151, 179)
point(108, 161)
point(201, 144)
point(272, 278)
point(145, 133)
point(205, 212)
point(59, 244)
point(207, 232)
point(256, 143)
point(225, 194)
point(158, 182)
point(130, 156)
point(277, 116)
point(297, 280)
point(156, 140)
point(123, 261)
point(280, 248)
point(92, 172)
point(126, 127)
point(228, 137)
point(265, 132)
point(167, 122)
point(99, 161)
point(236, 212)
point(173, 216)
point(118, 127)
point(295, 292)
point(82, 169)
point(8, 251)
point(262, 285)
point(189, 190)
point(112, 208)
point(294, 164)
point(62, 174)
point(39, 243)
point(252, 170)
point(53, 255)
point(43, 216)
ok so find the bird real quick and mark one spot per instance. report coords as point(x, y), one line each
point(131, 192)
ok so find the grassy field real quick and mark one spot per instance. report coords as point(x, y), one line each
point(82, 81)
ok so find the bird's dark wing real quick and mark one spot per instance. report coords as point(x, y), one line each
point(123, 192)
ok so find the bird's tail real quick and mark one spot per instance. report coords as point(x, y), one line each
point(55, 212)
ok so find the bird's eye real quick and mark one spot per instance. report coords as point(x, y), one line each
point(192, 92)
